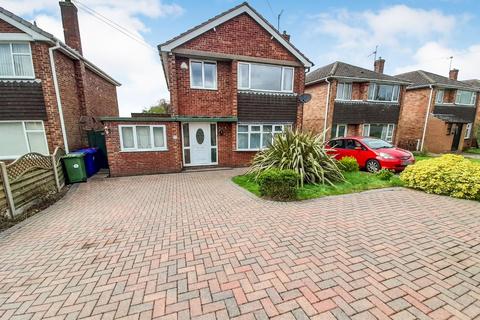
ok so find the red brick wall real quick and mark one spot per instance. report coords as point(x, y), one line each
point(138, 163)
point(101, 96)
point(314, 110)
point(242, 36)
point(412, 117)
point(8, 28)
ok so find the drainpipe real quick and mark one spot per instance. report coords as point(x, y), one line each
point(426, 118)
point(57, 93)
point(327, 104)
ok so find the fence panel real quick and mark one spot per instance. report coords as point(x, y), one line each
point(29, 178)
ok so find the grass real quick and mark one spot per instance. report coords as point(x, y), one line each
point(355, 182)
point(473, 150)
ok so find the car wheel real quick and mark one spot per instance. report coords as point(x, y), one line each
point(373, 166)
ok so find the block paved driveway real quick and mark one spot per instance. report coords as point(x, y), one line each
point(194, 245)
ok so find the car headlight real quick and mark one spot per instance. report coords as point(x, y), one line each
point(384, 155)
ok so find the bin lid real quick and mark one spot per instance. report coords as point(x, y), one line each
point(86, 150)
point(74, 155)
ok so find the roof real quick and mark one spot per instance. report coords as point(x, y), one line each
point(473, 82)
point(421, 78)
point(344, 70)
point(34, 33)
point(228, 15)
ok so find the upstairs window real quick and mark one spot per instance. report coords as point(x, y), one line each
point(465, 97)
point(383, 92)
point(439, 96)
point(16, 60)
point(203, 75)
point(344, 91)
point(263, 77)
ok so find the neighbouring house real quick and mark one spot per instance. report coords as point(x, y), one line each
point(50, 95)
point(234, 83)
point(439, 112)
point(350, 100)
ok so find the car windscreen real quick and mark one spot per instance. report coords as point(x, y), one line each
point(376, 143)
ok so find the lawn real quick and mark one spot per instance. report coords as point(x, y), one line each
point(355, 182)
point(473, 150)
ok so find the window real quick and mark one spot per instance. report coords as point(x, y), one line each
point(439, 96)
point(203, 75)
point(20, 137)
point(258, 136)
point(143, 138)
point(339, 144)
point(16, 60)
point(263, 77)
point(344, 91)
point(383, 92)
point(381, 131)
point(465, 97)
point(468, 131)
point(340, 130)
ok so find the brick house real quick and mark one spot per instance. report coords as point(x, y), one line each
point(50, 95)
point(234, 83)
point(439, 112)
point(350, 100)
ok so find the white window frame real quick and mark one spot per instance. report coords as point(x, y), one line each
point(349, 92)
point(472, 99)
point(395, 98)
point(19, 54)
point(249, 64)
point(388, 137)
point(438, 95)
point(337, 130)
point(25, 131)
point(468, 131)
point(261, 132)
point(203, 74)
point(135, 142)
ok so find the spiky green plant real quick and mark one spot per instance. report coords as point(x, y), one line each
point(301, 152)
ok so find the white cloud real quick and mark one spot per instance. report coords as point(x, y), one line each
point(136, 65)
point(399, 31)
point(434, 57)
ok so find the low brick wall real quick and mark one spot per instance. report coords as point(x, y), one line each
point(127, 163)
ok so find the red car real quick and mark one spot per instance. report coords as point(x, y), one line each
point(372, 154)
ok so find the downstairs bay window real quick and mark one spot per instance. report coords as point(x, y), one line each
point(143, 138)
point(254, 137)
point(381, 131)
point(20, 137)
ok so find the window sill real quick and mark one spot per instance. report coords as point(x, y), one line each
point(200, 88)
point(144, 150)
point(248, 150)
point(291, 93)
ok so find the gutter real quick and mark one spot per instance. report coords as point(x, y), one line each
point(426, 118)
point(57, 93)
point(327, 105)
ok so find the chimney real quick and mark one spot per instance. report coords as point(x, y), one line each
point(285, 35)
point(71, 31)
point(378, 65)
point(453, 74)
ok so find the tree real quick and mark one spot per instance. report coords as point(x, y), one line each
point(162, 106)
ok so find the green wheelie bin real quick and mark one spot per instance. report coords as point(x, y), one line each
point(75, 167)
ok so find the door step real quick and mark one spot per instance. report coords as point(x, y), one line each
point(205, 168)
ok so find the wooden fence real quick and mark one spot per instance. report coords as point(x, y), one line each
point(28, 179)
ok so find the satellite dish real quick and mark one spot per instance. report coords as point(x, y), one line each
point(304, 98)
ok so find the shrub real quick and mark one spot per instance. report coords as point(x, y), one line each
point(279, 184)
point(451, 175)
point(384, 174)
point(348, 164)
point(301, 152)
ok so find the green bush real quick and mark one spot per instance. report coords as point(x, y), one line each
point(348, 164)
point(385, 174)
point(450, 174)
point(278, 184)
point(301, 152)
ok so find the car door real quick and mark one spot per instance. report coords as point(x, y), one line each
point(338, 145)
point(362, 154)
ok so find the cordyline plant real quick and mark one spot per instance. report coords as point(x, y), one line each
point(303, 152)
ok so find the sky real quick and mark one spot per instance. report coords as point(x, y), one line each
point(410, 34)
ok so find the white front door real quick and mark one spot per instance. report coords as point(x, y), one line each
point(200, 143)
